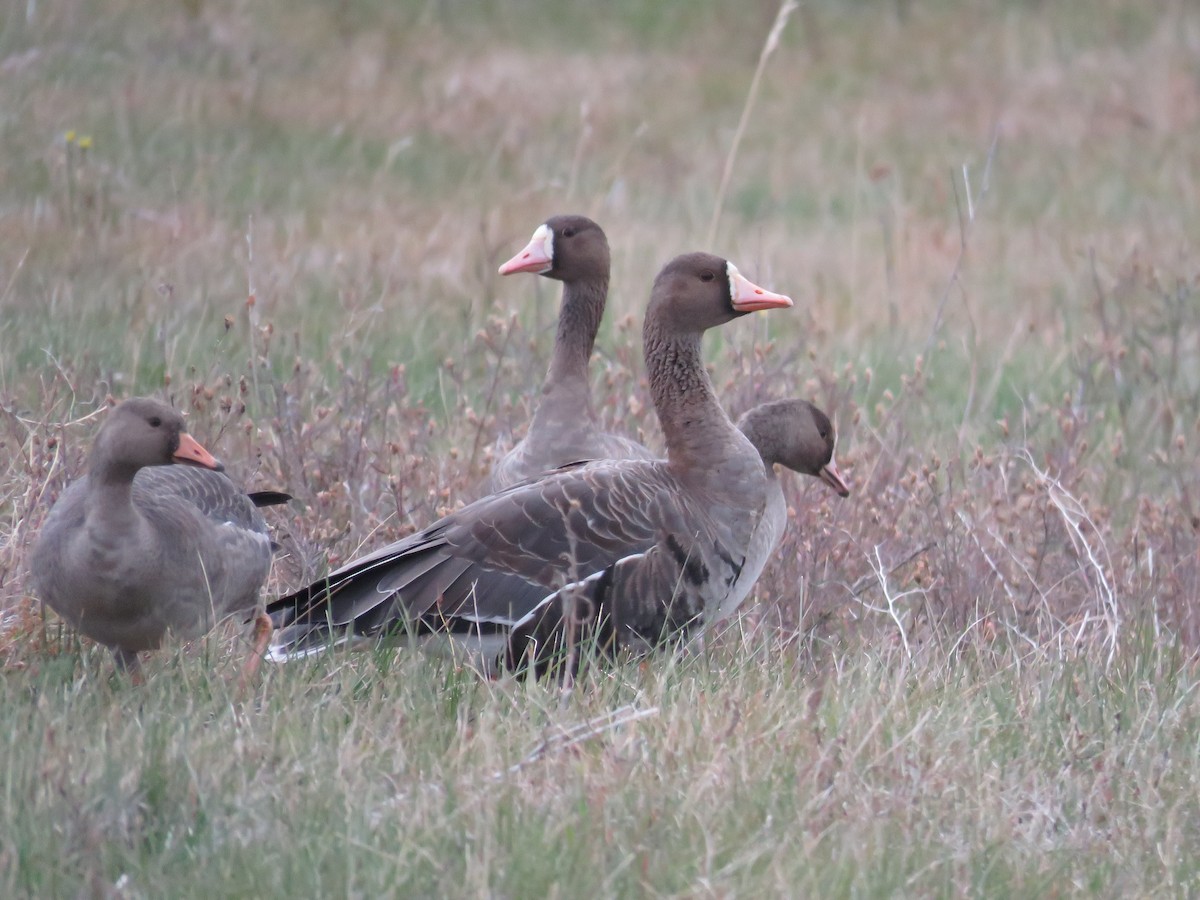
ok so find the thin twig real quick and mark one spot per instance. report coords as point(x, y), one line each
point(867, 580)
point(252, 305)
point(577, 734)
point(567, 738)
point(892, 600)
point(491, 397)
point(973, 532)
point(786, 8)
point(964, 233)
point(585, 133)
point(1073, 514)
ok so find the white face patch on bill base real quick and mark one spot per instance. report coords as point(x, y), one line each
point(746, 296)
point(732, 273)
point(537, 257)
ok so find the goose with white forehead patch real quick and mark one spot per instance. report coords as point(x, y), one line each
point(574, 250)
point(640, 549)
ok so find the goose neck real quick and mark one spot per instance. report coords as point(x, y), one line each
point(578, 322)
point(696, 429)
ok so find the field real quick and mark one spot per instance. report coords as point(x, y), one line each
point(975, 676)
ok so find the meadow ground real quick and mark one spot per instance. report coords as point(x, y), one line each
point(977, 675)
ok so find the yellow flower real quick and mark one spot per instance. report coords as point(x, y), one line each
point(85, 142)
point(70, 137)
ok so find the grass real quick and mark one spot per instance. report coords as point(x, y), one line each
point(976, 676)
point(753, 770)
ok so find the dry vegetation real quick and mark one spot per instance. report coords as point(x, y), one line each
point(974, 676)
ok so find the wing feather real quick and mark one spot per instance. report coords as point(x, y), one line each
point(496, 559)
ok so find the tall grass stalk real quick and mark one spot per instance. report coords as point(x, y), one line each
point(786, 8)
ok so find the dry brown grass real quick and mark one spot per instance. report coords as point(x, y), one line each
point(1069, 267)
point(1017, 400)
point(972, 467)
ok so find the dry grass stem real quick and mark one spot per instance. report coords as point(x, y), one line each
point(786, 8)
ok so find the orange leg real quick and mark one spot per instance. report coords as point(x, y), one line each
point(263, 628)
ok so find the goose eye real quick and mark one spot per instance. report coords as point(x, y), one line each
point(824, 434)
point(155, 422)
point(568, 232)
point(707, 276)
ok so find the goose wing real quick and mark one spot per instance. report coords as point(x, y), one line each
point(496, 560)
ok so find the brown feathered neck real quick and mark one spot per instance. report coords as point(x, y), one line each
point(697, 431)
point(578, 322)
point(567, 389)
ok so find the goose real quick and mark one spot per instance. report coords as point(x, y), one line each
point(793, 434)
point(797, 435)
point(574, 250)
point(142, 545)
point(646, 548)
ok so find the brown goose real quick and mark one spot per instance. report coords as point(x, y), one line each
point(139, 547)
point(648, 547)
point(790, 433)
point(799, 436)
point(573, 250)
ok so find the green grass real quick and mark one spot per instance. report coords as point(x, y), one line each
point(1025, 472)
point(750, 770)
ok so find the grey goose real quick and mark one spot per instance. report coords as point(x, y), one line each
point(797, 435)
point(645, 549)
point(141, 546)
point(564, 429)
point(794, 434)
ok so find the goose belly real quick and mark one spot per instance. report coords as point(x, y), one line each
point(763, 541)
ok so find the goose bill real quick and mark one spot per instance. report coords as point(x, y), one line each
point(831, 476)
point(537, 257)
point(190, 451)
point(746, 296)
